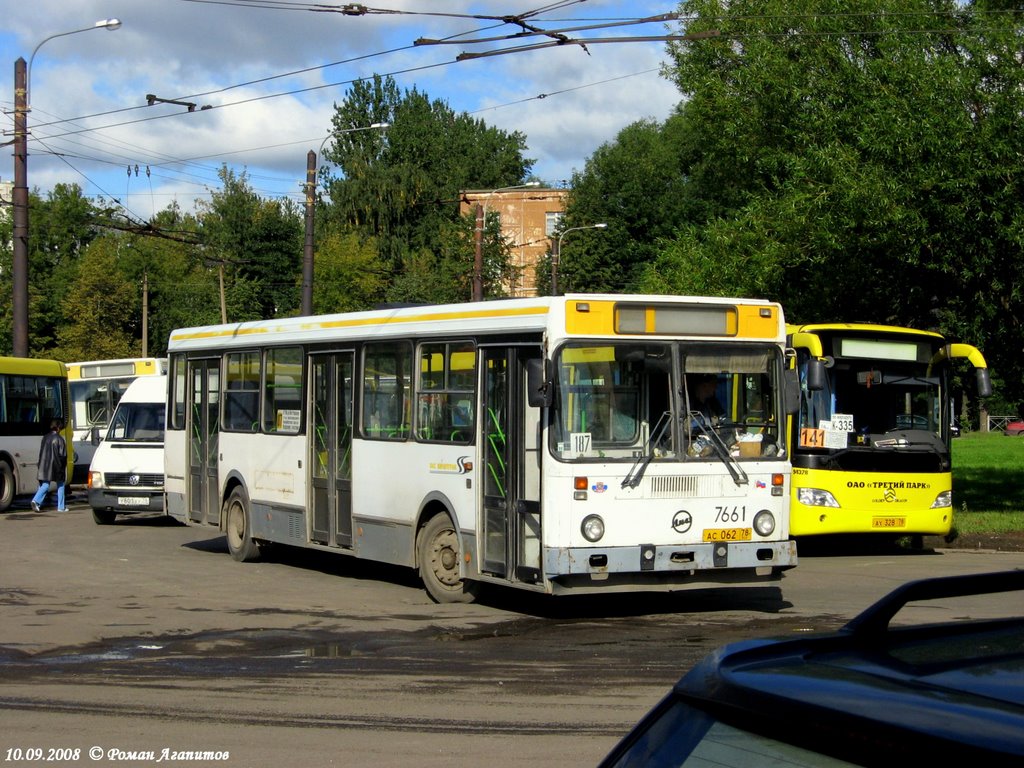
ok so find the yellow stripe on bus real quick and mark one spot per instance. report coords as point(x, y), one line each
point(361, 322)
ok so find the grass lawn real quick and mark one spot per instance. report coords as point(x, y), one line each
point(988, 483)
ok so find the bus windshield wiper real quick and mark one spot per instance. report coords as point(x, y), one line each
point(720, 448)
point(636, 472)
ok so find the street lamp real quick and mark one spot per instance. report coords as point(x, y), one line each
point(19, 271)
point(481, 218)
point(558, 252)
point(307, 251)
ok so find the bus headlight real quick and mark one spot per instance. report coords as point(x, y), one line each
point(944, 499)
point(815, 497)
point(764, 523)
point(592, 528)
point(95, 480)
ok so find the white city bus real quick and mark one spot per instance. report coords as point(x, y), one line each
point(550, 444)
point(96, 388)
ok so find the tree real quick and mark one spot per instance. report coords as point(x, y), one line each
point(258, 243)
point(401, 186)
point(167, 259)
point(857, 161)
point(347, 274)
point(61, 227)
point(445, 275)
point(102, 309)
point(637, 185)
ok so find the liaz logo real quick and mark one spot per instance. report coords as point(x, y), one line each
point(599, 487)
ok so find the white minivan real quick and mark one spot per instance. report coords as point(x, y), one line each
point(127, 471)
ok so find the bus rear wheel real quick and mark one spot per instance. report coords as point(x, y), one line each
point(439, 556)
point(236, 526)
point(7, 486)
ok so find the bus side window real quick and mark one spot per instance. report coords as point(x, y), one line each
point(241, 396)
point(386, 390)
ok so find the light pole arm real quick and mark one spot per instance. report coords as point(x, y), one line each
point(108, 24)
point(557, 254)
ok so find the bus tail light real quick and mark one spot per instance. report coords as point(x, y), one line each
point(943, 500)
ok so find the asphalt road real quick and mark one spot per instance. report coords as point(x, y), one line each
point(123, 641)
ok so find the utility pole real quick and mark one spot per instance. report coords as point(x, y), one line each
point(307, 251)
point(20, 200)
point(145, 314)
point(19, 266)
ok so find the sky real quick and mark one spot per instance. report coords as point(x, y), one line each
point(271, 72)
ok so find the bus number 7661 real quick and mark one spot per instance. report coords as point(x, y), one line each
point(732, 514)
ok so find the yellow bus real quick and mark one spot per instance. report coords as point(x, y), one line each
point(32, 394)
point(546, 444)
point(870, 445)
point(96, 389)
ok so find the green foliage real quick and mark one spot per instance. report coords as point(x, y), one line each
point(401, 186)
point(445, 275)
point(855, 161)
point(102, 309)
point(637, 186)
point(60, 229)
point(259, 243)
point(347, 274)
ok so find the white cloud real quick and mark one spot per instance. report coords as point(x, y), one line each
point(231, 57)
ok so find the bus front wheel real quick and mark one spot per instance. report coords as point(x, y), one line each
point(236, 516)
point(7, 486)
point(439, 556)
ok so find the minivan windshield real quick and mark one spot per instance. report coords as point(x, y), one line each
point(137, 422)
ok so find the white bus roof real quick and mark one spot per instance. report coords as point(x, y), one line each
point(502, 316)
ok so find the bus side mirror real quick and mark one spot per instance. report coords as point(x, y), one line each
point(792, 391)
point(94, 436)
point(539, 391)
point(815, 374)
point(984, 382)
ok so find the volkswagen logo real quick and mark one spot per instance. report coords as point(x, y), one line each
point(133, 479)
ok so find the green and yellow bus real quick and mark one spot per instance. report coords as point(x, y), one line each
point(32, 394)
point(870, 445)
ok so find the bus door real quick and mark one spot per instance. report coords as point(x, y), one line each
point(203, 428)
point(331, 448)
point(510, 448)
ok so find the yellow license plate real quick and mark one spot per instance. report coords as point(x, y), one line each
point(888, 522)
point(728, 534)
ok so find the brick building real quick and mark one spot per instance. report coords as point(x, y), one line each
point(529, 217)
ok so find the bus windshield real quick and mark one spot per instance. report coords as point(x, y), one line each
point(865, 397)
point(721, 401)
point(95, 400)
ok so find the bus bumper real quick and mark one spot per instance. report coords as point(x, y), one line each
point(689, 560)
